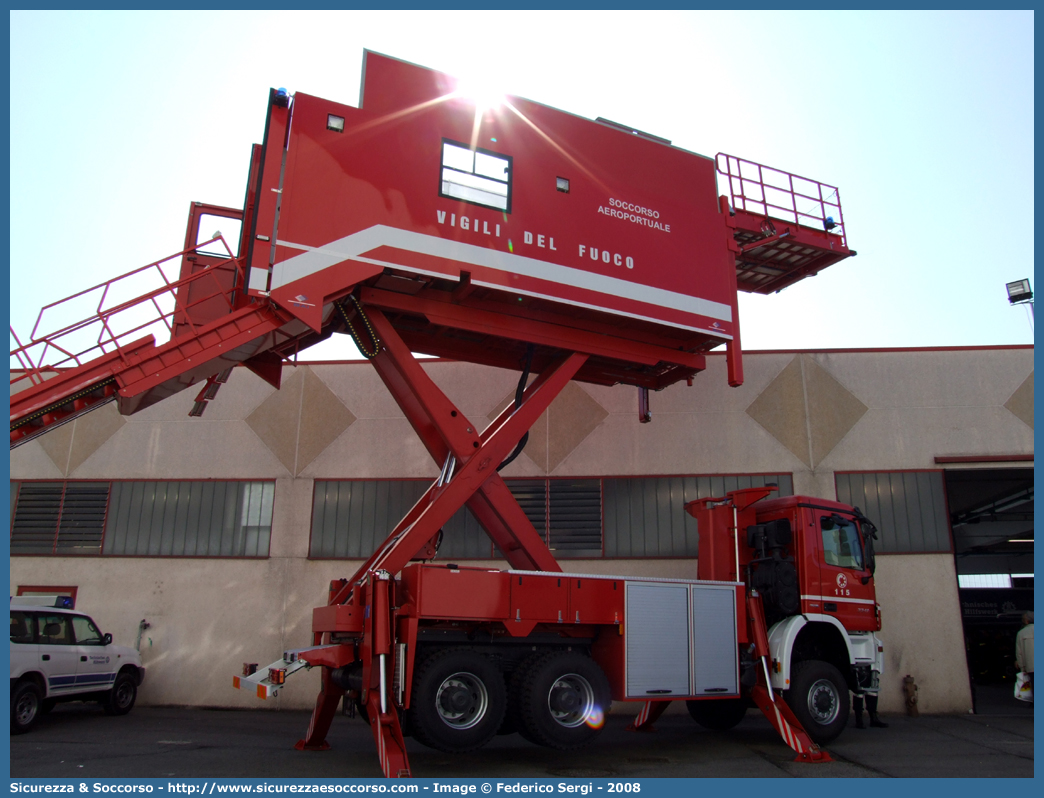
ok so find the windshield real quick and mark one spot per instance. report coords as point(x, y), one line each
point(841, 545)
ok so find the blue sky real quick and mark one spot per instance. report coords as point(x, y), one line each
point(923, 120)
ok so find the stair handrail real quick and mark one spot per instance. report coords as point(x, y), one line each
point(31, 356)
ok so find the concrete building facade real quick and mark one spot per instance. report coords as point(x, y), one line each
point(201, 596)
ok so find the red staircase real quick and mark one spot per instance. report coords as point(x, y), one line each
point(128, 352)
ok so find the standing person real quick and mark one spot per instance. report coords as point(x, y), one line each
point(866, 691)
point(871, 710)
point(1024, 647)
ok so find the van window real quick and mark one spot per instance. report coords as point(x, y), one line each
point(21, 627)
point(86, 632)
point(54, 630)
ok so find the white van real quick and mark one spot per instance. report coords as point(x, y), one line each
point(58, 654)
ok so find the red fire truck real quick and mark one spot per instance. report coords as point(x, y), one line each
point(518, 236)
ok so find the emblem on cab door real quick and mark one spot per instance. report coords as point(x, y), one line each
point(842, 581)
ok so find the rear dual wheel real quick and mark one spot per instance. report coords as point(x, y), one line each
point(458, 702)
point(560, 700)
point(513, 718)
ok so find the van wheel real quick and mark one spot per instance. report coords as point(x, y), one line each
point(26, 699)
point(818, 695)
point(120, 699)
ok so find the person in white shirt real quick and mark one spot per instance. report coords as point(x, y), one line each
point(1024, 647)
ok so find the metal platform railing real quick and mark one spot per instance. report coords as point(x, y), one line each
point(763, 190)
point(114, 321)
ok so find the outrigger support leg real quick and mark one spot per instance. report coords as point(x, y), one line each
point(322, 716)
point(770, 702)
point(789, 727)
point(387, 733)
point(381, 708)
point(651, 711)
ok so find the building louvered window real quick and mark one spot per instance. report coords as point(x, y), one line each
point(350, 518)
point(908, 508)
point(154, 519)
point(576, 518)
point(566, 513)
point(59, 518)
point(190, 519)
point(531, 495)
point(645, 516)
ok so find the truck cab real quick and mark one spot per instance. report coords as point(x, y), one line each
point(812, 562)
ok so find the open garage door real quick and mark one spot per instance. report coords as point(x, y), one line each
point(991, 514)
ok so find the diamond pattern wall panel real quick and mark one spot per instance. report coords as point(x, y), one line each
point(70, 445)
point(300, 420)
point(807, 410)
point(1021, 402)
point(572, 416)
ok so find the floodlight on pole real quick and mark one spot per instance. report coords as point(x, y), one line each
point(1020, 293)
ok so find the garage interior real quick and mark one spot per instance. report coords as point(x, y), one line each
point(991, 514)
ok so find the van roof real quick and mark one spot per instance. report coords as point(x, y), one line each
point(51, 602)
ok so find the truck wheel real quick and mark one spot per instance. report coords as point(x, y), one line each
point(513, 717)
point(563, 701)
point(120, 699)
point(26, 699)
point(719, 715)
point(818, 695)
point(458, 701)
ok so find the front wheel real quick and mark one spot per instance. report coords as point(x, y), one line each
point(563, 699)
point(120, 699)
point(26, 699)
point(818, 696)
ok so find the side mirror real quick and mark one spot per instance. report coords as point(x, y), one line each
point(106, 639)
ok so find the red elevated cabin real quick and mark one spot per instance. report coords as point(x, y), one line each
point(477, 232)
